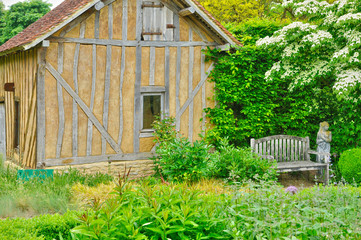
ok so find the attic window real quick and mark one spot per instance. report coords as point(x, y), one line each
point(157, 21)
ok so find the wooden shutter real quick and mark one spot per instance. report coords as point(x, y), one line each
point(157, 21)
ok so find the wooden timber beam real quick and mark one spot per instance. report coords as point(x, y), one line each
point(102, 4)
point(152, 5)
point(84, 107)
point(40, 108)
point(186, 11)
point(193, 93)
point(224, 47)
point(130, 43)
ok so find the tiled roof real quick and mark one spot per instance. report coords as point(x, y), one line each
point(230, 35)
point(53, 18)
point(65, 10)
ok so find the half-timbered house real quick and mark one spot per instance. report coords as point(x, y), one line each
point(83, 84)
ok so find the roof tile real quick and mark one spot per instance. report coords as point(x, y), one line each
point(44, 24)
point(66, 9)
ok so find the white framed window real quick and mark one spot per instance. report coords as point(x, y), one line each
point(157, 21)
point(151, 105)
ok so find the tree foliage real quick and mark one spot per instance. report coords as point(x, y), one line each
point(237, 10)
point(251, 107)
point(325, 50)
point(19, 16)
point(323, 53)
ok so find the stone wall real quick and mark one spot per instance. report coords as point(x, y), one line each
point(139, 168)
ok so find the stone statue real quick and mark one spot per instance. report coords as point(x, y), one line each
point(324, 138)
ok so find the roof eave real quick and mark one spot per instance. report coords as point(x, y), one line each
point(38, 40)
point(12, 50)
point(61, 25)
point(210, 22)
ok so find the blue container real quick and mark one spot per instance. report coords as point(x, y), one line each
point(35, 173)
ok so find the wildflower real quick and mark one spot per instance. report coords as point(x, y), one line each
point(292, 189)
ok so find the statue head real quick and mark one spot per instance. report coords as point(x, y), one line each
point(324, 126)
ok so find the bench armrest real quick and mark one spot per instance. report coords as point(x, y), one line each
point(321, 154)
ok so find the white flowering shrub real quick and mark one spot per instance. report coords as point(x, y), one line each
point(325, 49)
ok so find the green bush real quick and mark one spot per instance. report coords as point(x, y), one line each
point(239, 164)
point(16, 229)
point(182, 160)
point(44, 227)
point(177, 158)
point(350, 165)
point(50, 226)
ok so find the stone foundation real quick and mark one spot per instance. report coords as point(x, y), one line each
point(139, 168)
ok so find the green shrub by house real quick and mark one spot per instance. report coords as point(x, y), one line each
point(239, 164)
point(177, 158)
point(350, 165)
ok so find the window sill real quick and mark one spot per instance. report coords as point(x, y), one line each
point(146, 133)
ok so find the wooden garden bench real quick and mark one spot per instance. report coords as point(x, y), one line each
point(291, 153)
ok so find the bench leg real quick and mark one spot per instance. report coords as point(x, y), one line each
point(327, 175)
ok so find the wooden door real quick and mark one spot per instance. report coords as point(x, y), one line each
point(2, 132)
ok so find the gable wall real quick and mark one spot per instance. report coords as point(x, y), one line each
point(21, 69)
point(103, 61)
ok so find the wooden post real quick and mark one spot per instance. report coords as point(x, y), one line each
point(307, 155)
point(40, 113)
point(252, 144)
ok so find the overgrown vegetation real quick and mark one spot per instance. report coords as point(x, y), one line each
point(40, 196)
point(175, 211)
point(180, 160)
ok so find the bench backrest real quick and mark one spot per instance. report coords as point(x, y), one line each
point(283, 148)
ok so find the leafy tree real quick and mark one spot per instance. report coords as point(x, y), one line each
point(19, 16)
point(324, 53)
point(249, 106)
point(236, 10)
point(2, 9)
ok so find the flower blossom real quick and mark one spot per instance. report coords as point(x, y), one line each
point(310, 7)
point(291, 189)
point(316, 38)
point(343, 53)
point(348, 17)
point(347, 79)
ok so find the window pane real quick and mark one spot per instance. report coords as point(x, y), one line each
point(151, 108)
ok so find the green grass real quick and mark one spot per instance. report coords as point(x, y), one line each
point(150, 209)
point(20, 198)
